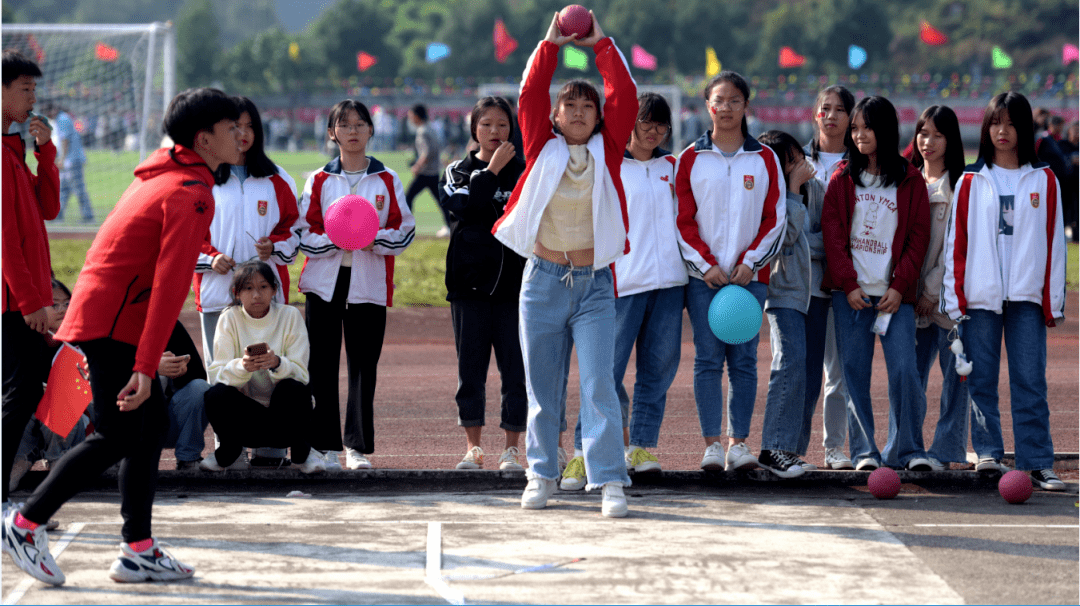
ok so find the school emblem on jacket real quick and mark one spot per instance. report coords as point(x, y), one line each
point(263, 205)
point(380, 201)
point(748, 181)
point(1035, 200)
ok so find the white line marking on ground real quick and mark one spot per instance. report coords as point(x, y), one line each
point(997, 525)
point(433, 570)
point(21, 589)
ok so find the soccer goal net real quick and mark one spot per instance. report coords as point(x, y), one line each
point(105, 89)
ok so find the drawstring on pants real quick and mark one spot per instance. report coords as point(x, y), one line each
point(568, 277)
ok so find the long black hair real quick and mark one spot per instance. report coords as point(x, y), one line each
point(485, 104)
point(738, 82)
point(880, 116)
point(245, 273)
point(785, 146)
point(944, 120)
point(1018, 109)
point(258, 165)
point(846, 99)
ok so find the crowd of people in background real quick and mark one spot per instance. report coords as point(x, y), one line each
point(570, 226)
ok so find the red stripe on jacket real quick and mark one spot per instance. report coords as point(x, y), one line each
point(1051, 222)
point(393, 221)
point(960, 242)
point(768, 214)
point(686, 220)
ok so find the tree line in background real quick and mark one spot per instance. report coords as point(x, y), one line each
point(242, 46)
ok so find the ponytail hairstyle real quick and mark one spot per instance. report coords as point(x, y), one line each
point(944, 120)
point(738, 82)
point(846, 99)
point(880, 116)
point(1016, 107)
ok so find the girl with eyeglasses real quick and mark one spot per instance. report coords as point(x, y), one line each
point(348, 291)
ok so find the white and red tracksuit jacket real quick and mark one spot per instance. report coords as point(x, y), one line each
point(655, 261)
point(246, 211)
point(547, 154)
point(372, 272)
point(731, 210)
point(974, 276)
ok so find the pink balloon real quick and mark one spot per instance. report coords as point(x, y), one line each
point(351, 222)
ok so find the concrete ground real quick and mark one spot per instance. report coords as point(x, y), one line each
point(735, 540)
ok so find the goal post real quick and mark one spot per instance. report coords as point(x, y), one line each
point(115, 82)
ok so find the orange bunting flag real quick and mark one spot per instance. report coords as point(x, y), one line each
point(932, 35)
point(39, 53)
point(504, 42)
point(365, 61)
point(104, 52)
point(790, 58)
point(67, 394)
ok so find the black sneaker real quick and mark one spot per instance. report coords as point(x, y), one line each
point(783, 464)
point(1046, 479)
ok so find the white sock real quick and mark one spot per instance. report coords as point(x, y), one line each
point(631, 448)
point(579, 453)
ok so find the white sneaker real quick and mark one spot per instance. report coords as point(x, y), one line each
point(210, 464)
point(154, 564)
point(18, 470)
point(614, 504)
point(474, 459)
point(331, 461)
point(312, 464)
point(919, 464)
point(714, 457)
point(642, 461)
point(537, 493)
point(936, 465)
point(739, 457)
point(355, 460)
point(991, 464)
point(29, 549)
point(509, 460)
point(836, 459)
point(867, 464)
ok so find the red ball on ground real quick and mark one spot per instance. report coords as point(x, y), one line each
point(575, 19)
point(1015, 487)
point(884, 483)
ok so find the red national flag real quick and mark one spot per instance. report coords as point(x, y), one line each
point(365, 61)
point(504, 42)
point(104, 52)
point(67, 394)
point(790, 58)
point(39, 53)
point(932, 35)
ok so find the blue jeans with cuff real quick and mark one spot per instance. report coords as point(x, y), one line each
point(950, 435)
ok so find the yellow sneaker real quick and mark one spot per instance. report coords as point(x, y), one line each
point(574, 476)
point(642, 461)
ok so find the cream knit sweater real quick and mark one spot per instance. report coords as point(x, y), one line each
point(282, 329)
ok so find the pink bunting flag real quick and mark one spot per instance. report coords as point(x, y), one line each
point(504, 42)
point(1069, 53)
point(642, 59)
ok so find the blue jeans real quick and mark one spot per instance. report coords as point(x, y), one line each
point(950, 436)
point(835, 405)
point(786, 402)
point(653, 320)
point(562, 307)
point(710, 354)
point(907, 402)
point(71, 181)
point(1025, 343)
point(187, 421)
point(817, 315)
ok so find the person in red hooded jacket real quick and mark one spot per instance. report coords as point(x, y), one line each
point(121, 315)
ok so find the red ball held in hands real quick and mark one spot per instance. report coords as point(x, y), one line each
point(575, 19)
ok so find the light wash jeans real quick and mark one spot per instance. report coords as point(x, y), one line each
point(1025, 344)
point(785, 404)
point(816, 331)
point(562, 307)
point(653, 320)
point(834, 409)
point(710, 354)
point(950, 436)
point(187, 421)
point(72, 182)
point(907, 402)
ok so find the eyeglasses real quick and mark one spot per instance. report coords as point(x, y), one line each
point(358, 126)
point(648, 127)
point(734, 104)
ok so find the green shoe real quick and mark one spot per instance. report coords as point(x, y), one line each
point(574, 476)
point(642, 461)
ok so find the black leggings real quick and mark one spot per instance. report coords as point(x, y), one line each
point(24, 352)
point(364, 326)
point(133, 438)
point(238, 420)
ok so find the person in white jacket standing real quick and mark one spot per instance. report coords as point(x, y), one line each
point(732, 213)
point(567, 215)
point(348, 291)
point(259, 393)
point(1005, 274)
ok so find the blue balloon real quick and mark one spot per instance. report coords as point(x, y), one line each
point(734, 315)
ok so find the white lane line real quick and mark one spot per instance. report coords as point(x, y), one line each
point(21, 589)
point(997, 525)
point(433, 570)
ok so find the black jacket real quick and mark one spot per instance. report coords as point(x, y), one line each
point(180, 343)
point(478, 265)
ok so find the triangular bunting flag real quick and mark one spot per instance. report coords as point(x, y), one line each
point(575, 58)
point(856, 56)
point(932, 35)
point(504, 42)
point(104, 52)
point(712, 64)
point(641, 58)
point(365, 61)
point(294, 51)
point(39, 53)
point(437, 51)
point(790, 58)
point(1001, 60)
point(67, 394)
point(1069, 53)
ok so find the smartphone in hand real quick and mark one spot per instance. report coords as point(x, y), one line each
point(257, 349)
